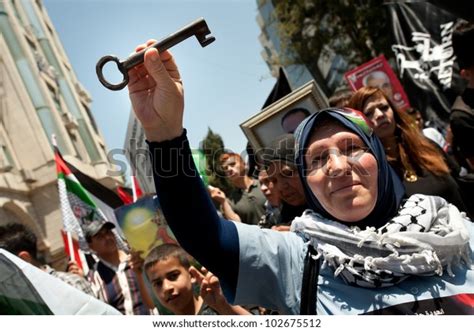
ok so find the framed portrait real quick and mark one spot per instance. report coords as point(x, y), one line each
point(283, 116)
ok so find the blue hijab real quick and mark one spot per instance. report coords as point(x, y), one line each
point(390, 187)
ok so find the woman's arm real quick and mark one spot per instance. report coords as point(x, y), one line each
point(190, 213)
point(157, 96)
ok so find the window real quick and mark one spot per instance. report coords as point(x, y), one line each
point(6, 160)
point(74, 144)
point(55, 96)
point(17, 14)
point(91, 118)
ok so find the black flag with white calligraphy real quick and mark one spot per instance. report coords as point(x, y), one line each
point(425, 60)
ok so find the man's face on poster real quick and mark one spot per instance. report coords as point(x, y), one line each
point(380, 79)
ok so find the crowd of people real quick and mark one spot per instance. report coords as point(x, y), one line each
point(358, 209)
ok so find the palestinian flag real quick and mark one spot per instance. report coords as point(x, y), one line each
point(125, 194)
point(129, 196)
point(358, 118)
point(27, 290)
point(104, 198)
point(79, 206)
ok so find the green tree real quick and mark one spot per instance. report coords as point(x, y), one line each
point(356, 29)
point(213, 146)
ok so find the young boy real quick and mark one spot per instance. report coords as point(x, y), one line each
point(172, 278)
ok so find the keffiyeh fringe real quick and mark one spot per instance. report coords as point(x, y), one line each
point(426, 237)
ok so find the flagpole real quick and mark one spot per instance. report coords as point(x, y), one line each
point(71, 246)
point(54, 141)
point(134, 189)
point(68, 233)
point(85, 266)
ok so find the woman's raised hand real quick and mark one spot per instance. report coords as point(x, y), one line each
point(157, 95)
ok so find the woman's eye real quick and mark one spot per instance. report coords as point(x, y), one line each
point(383, 108)
point(318, 161)
point(355, 150)
point(369, 113)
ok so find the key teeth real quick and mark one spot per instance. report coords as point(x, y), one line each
point(207, 41)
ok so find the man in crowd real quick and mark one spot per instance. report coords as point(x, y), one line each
point(462, 112)
point(247, 203)
point(117, 277)
point(379, 79)
point(279, 161)
point(273, 203)
point(21, 241)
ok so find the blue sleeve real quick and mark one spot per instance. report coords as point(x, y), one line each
point(271, 268)
point(190, 213)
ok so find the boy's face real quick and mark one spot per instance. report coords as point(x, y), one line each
point(103, 243)
point(173, 285)
point(233, 168)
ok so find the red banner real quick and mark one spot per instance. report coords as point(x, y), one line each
point(378, 73)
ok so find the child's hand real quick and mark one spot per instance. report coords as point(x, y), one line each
point(217, 195)
point(136, 261)
point(211, 291)
point(74, 268)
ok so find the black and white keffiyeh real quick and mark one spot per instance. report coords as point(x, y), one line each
point(426, 236)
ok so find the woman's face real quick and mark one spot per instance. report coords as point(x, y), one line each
point(378, 111)
point(342, 174)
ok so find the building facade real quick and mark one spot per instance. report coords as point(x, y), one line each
point(138, 157)
point(297, 74)
point(40, 96)
point(331, 65)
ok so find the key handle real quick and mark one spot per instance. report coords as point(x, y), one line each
point(197, 28)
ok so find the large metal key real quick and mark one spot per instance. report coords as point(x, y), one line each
point(198, 28)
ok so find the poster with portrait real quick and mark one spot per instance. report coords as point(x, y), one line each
point(144, 224)
point(283, 116)
point(378, 73)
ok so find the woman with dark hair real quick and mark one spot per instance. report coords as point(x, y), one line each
point(419, 162)
point(380, 254)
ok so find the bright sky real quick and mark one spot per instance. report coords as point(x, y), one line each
point(225, 82)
